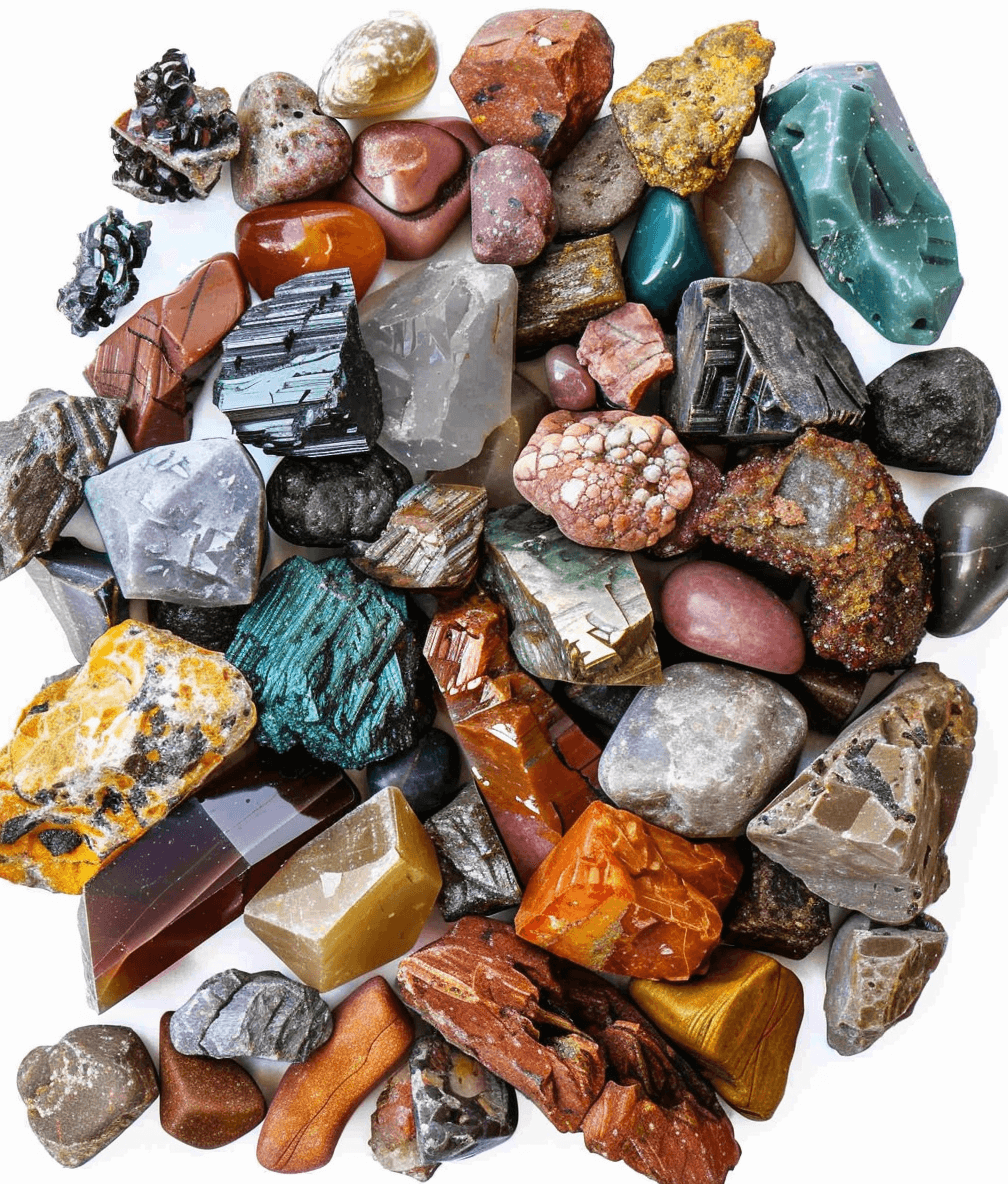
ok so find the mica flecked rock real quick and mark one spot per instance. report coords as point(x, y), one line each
point(625, 351)
point(80, 587)
point(353, 898)
point(381, 68)
point(102, 755)
point(747, 223)
point(393, 1139)
point(684, 118)
point(865, 825)
point(969, 528)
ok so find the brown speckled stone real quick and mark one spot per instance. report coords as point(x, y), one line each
point(513, 217)
point(625, 351)
point(598, 185)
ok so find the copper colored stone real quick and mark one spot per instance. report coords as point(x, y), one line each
point(153, 360)
point(707, 482)
point(625, 352)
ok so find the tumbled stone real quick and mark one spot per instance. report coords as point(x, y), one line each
point(828, 510)
point(625, 352)
point(184, 522)
point(47, 452)
point(111, 251)
point(577, 614)
point(969, 529)
point(867, 209)
point(570, 385)
point(612, 479)
point(828, 693)
point(598, 184)
point(707, 482)
point(513, 217)
point(874, 977)
point(535, 78)
point(747, 223)
point(205, 1102)
point(289, 150)
point(154, 360)
point(701, 753)
point(427, 775)
point(100, 756)
point(864, 826)
point(333, 660)
point(371, 1031)
point(393, 1139)
point(381, 68)
point(211, 627)
point(442, 337)
point(665, 254)
point(684, 118)
point(624, 897)
point(86, 1090)
point(80, 587)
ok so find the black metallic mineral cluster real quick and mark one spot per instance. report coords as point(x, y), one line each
point(112, 249)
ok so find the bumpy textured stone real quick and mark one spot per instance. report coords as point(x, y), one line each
point(707, 482)
point(828, 510)
point(625, 352)
point(86, 1090)
point(513, 217)
point(427, 775)
point(570, 385)
point(969, 529)
point(747, 223)
point(598, 184)
point(111, 251)
point(393, 1139)
point(381, 68)
point(47, 452)
point(874, 977)
point(666, 254)
point(684, 118)
point(80, 587)
point(865, 825)
point(102, 755)
point(212, 628)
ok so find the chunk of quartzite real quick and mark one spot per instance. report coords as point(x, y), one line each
point(828, 510)
point(866, 206)
point(152, 362)
point(212, 627)
point(609, 479)
point(874, 977)
point(393, 1139)
point(625, 351)
point(969, 528)
point(513, 217)
point(598, 184)
point(865, 825)
point(102, 755)
point(427, 775)
point(536, 770)
point(80, 587)
point(381, 68)
point(47, 452)
point(684, 118)
point(747, 223)
point(111, 251)
point(708, 482)
point(666, 253)
point(535, 78)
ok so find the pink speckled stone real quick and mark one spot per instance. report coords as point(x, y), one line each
point(513, 216)
point(570, 385)
point(609, 479)
point(625, 352)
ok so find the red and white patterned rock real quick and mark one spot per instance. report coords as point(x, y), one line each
point(625, 352)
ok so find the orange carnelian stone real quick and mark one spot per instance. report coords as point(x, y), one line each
point(277, 243)
point(620, 895)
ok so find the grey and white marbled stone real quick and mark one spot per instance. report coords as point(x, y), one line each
point(80, 587)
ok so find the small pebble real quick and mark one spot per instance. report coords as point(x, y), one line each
point(598, 185)
point(625, 351)
point(570, 385)
point(969, 529)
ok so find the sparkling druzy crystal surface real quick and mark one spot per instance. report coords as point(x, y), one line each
point(442, 338)
point(969, 529)
point(333, 660)
point(864, 826)
point(80, 587)
point(100, 756)
point(354, 897)
point(111, 251)
point(381, 68)
point(867, 208)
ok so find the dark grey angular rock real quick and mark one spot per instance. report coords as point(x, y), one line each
point(598, 184)
point(80, 587)
point(969, 529)
point(427, 774)
point(236, 1014)
point(604, 706)
point(111, 251)
point(212, 628)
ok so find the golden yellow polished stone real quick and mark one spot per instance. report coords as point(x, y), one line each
point(740, 1021)
point(379, 69)
point(353, 898)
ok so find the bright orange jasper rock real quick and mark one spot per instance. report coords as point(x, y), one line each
point(622, 896)
point(278, 243)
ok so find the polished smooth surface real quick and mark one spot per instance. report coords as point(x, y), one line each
point(969, 529)
point(747, 223)
point(381, 68)
point(665, 255)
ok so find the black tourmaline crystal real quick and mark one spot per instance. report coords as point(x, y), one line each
point(111, 250)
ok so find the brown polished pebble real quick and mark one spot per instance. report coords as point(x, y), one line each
point(371, 1031)
point(513, 217)
point(747, 224)
point(570, 385)
point(598, 185)
point(625, 351)
point(205, 1102)
point(829, 694)
point(707, 481)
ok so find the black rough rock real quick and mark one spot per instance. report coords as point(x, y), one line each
point(969, 529)
point(595, 706)
point(427, 774)
point(212, 627)
point(111, 250)
point(81, 589)
point(169, 110)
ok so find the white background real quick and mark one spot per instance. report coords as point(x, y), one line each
point(925, 1101)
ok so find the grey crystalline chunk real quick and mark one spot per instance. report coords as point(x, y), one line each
point(80, 587)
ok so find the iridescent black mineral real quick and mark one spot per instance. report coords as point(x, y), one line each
point(111, 250)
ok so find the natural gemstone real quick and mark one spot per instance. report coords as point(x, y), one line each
point(969, 529)
point(666, 253)
point(381, 68)
point(701, 753)
point(747, 223)
point(371, 1031)
point(333, 660)
point(535, 78)
point(577, 614)
point(47, 452)
point(513, 217)
point(236, 1014)
point(828, 510)
point(570, 385)
point(205, 1102)
point(80, 587)
point(867, 208)
point(758, 363)
point(152, 362)
point(599, 183)
point(874, 977)
point(828, 693)
point(212, 627)
point(625, 352)
point(442, 337)
point(684, 118)
point(184, 522)
point(278, 243)
point(111, 251)
point(101, 755)
point(621, 896)
point(289, 150)
point(864, 826)
point(427, 774)
point(393, 1139)
point(707, 482)
point(740, 1021)
point(933, 411)
point(353, 898)
point(86, 1090)
point(609, 479)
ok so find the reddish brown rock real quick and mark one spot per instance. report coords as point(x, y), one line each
point(570, 385)
point(393, 1139)
point(513, 217)
point(708, 482)
point(625, 351)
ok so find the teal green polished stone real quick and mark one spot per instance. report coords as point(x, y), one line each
point(666, 253)
point(866, 206)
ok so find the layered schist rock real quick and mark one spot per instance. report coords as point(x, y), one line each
point(80, 587)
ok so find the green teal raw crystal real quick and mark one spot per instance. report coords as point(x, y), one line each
point(333, 660)
point(666, 253)
point(866, 206)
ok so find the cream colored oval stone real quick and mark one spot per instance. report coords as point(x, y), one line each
point(380, 69)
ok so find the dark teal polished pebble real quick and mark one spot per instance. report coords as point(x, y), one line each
point(969, 528)
point(427, 775)
point(666, 253)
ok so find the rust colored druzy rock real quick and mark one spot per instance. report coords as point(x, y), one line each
point(622, 896)
point(828, 510)
point(535, 78)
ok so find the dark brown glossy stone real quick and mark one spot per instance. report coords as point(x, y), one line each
point(828, 693)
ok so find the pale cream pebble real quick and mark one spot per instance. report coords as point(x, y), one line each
point(593, 492)
point(570, 493)
point(617, 454)
point(654, 504)
point(668, 514)
point(676, 454)
point(668, 438)
point(618, 436)
point(551, 442)
point(578, 428)
point(638, 436)
point(525, 466)
point(652, 473)
point(550, 461)
point(640, 496)
point(594, 445)
point(569, 444)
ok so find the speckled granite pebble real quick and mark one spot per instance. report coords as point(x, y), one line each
point(513, 217)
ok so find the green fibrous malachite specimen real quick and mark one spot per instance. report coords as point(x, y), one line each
point(866, 206)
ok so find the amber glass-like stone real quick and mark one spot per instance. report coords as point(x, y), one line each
point(279, 243)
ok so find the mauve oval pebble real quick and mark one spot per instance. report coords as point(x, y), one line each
point(570, 385)
point(513, 216)
point(716, 610)
point(403, 164)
